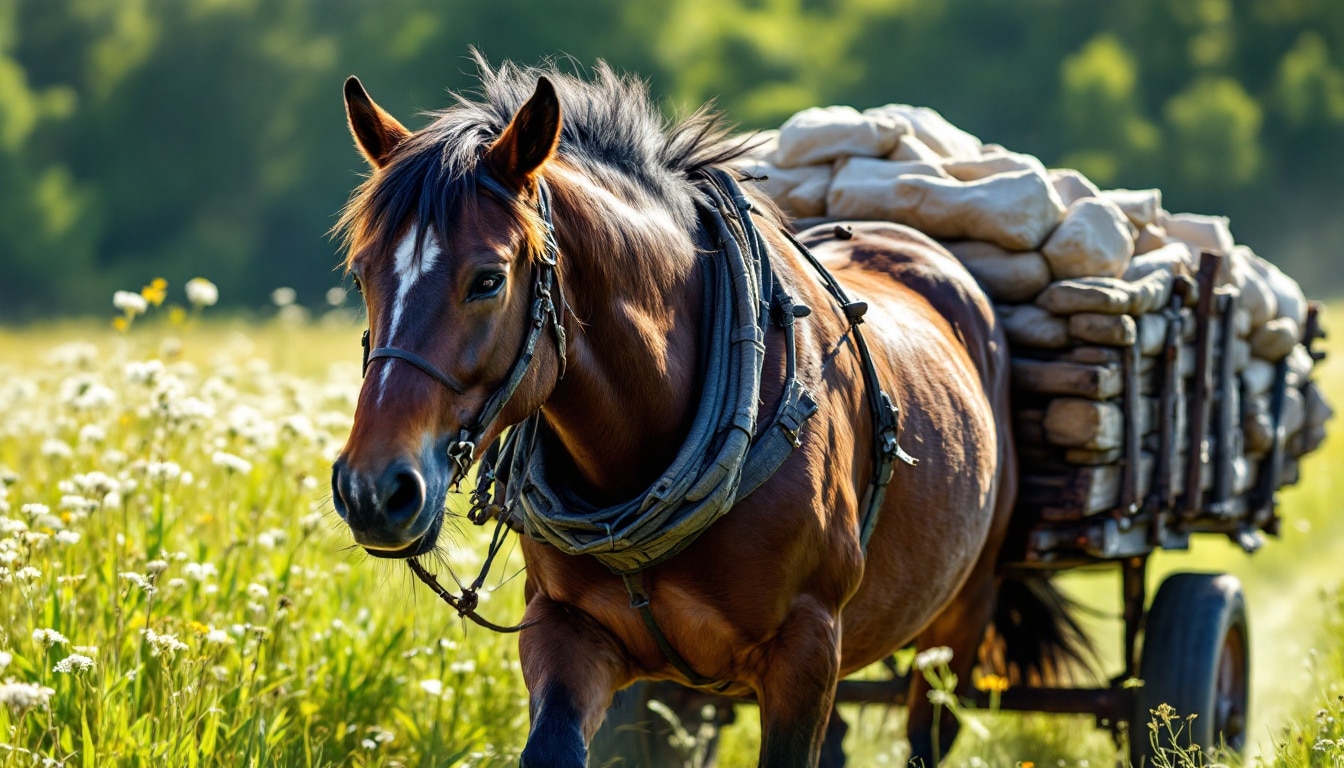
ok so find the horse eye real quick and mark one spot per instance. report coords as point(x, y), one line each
point(359, 287)
point(486, 286)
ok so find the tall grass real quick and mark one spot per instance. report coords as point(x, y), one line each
point(175, 590)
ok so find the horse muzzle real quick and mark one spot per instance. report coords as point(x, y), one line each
point(395, 512)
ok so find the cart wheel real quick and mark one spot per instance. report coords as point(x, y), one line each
point(1196, 659)
point(632, 735)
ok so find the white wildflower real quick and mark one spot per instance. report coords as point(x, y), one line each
point(48, 637)
point(231, 462)
point(156, 566)
point(462, 667)
point(941, 698)
point(73, 664)
point(177, 583)
point(35, 510)
point(283, 297)
point(21, 696)
point(9, 525)
point(130, 303)
point(163, 645)
point(160, 471)
point(939, 656)
point(29, 573)
point(74, 354)
point(218, 637)
point(368, 744)
point(93, 397)
point(146, 372)
point(92, 434)
point(5, 659)
point(432, 687)
point(257, 592)
point(202, 292)
point(265, 540)
point(56, 449)
point(67, 537)
point(97, 484)
point(139, 580)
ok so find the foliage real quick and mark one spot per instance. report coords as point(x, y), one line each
point(180, 137)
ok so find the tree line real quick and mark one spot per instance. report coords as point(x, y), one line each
point(175, 138)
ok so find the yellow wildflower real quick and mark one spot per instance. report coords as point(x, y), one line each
point(992, 683)
point(121, 324)
point(156, 291)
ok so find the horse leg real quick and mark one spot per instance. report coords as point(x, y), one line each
point(797, 689)
point(571, 667)
point(961, 627)
point(833, 746)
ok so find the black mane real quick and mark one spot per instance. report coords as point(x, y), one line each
point(611, 129)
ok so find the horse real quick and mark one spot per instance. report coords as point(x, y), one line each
point(576, 187)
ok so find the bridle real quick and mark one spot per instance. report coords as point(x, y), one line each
point(545, 289)
point(548, 307)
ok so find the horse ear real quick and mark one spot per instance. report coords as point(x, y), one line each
point(376, 132)
point(530, 138)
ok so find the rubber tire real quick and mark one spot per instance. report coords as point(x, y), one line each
point(634, 736)
point(1194, 620)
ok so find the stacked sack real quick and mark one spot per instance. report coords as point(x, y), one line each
point(1079, 277)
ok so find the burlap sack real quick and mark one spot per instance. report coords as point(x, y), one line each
point(933, 130)
point(1007, 276)
point(975, 168)
point(823, 134)
point(1093, 240)
point(1141, 206)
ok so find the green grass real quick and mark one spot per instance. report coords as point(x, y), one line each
point(290, 648)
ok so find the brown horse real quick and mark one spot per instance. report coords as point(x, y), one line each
point(777, 599)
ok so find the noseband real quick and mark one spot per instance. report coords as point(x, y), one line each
point(545, 311)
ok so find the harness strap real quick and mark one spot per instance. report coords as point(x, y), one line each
point(639, 600)
point(886, 416)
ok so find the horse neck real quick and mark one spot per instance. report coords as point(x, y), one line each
point(628, 396)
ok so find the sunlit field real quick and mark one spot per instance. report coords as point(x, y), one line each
point(175, 588)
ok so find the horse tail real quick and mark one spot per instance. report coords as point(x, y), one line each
point(1037, 636)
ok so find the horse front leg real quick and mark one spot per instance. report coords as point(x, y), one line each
point(571, 666)
point(797, 686)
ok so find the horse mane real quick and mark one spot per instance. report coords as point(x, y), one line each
point(611, 130)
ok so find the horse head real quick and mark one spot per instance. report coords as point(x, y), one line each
point(450, 243)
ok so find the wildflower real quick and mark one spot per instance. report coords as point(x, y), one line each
point(145, 372)
point(5, 659)
point(139, 580)
point(9, 525)
point(992, 683)
point(257, 592)
point(67, 537)
point(155, 292)
point(939, 656)
point(29, 573)
point(163, 645)
point(218, 637)
point(202, 292)
point(369, 744)
point(92, 434)
point(177, 583)
point(432, 687)
point(35, 510)
point(130, 303)
point(56, 449)
point(73, 664)
point(48, 637)
point(941, 698)
point(21, 696)
point(231, 462)
point(283, 297)
point(160, 471)
point(156, 566)
point(462, 667)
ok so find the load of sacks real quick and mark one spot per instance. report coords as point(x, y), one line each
point(1078, 275)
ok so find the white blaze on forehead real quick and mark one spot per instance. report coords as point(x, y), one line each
point(408, 271)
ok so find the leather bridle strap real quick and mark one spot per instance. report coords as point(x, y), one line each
point(544, 308)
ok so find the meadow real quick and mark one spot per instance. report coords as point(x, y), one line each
point(175, 588)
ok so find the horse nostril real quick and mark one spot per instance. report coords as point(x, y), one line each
point(406, 497)
point(338, 499)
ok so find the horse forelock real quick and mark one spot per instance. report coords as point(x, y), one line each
point(611, 132)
